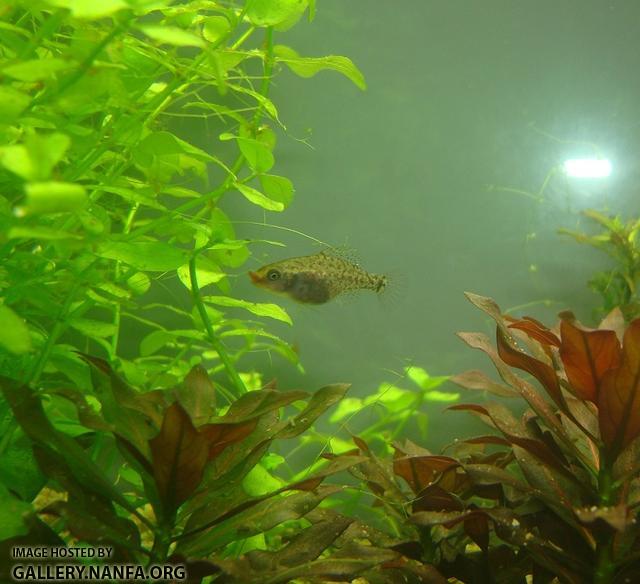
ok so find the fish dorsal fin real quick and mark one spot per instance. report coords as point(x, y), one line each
point(342, 252)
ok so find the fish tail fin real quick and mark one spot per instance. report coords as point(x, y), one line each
point(391, 289)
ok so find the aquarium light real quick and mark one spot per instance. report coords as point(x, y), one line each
point(587, 167)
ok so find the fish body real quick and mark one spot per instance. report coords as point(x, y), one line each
point(316, 279)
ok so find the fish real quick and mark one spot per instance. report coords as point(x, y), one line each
point(317, 278)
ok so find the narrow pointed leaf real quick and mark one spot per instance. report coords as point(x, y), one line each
point(541, 371)
point(537, 331)
point(321, 400)
point(478, 380)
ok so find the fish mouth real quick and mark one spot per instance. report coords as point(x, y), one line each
point(255, 277)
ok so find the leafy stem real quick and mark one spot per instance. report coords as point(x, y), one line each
point(117, 274)
point(605, 564)
point(58, 328)
point(211, 336)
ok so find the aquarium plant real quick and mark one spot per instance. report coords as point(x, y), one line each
point(552, 493)
point(103, 206)
point(617, 287)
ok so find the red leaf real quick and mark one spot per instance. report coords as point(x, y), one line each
point(541, 371)
point(221, 436)
point(478, 380)
point(537, 331)
point(619, 398)
point(435, 498)
point(360, 443)
point(179, 454)
point(512, 431)
point(421, 471)
point(587, 356)
point(476, 526)
point(614, 321)
point(197, 395)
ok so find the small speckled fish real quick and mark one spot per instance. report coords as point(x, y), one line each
point(316, 279)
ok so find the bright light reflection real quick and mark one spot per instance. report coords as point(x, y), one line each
point(588, 167)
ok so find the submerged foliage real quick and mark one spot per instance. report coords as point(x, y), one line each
point(100, 200)
point(554, 494)
point(164, 476)
point(618, 287)
point(551, 495)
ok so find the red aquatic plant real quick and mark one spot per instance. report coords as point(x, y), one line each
point(575, 450)
point(552, 494)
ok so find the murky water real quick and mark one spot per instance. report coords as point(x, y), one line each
point(467, 104)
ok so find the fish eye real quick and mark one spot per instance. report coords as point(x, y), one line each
point(274, 275)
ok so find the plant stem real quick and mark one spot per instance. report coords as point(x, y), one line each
point(213, 339)
point(605, 565)
point(117, 273)
point(58, 328)
point(266, 81)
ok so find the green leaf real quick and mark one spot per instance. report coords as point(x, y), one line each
point(139, 283)
point(264, 102)
point(346, 407)
point(142, 196)
point(278, 188)
point(171, 35)
point(260, 481)
point(215, 28)
point(53, 197)
point(37, 157)
point(113, 290)
point(422, 379)
point(36, 69)
point(309, 66)
point(154, 341)
point(12, 103)
point(13, 515)
point(207, 272)
point(258, 156)
point(93, 328)
point(441, 396)
point(162, 154)
point(14, 334)
point(259, 309)
point(39, 233)
point(90, 9)
point(257, 198)
point(281, 14)
point(151, 256)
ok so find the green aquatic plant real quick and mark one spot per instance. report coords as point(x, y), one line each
point(102, 201)
point(166, 477)
point(618, 287)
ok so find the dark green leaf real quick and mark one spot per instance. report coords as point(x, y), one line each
point(319, 403)
point(14, 514)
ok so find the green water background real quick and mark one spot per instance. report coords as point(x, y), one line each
point(461, 95)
